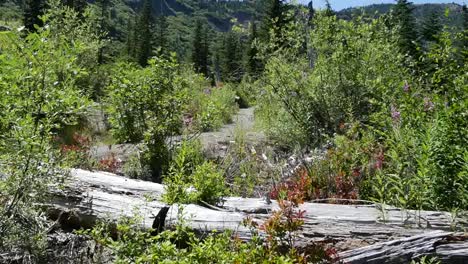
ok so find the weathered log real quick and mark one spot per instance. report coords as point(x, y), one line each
point(441, 244)
point(90, 196)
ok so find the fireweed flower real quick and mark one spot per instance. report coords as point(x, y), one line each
point(406, 87)
point(395, 114)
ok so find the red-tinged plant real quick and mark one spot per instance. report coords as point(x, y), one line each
point(295, 190)
point(110, 164)
point(77, 153)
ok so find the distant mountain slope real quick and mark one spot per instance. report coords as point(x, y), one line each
point(218, 13)
point(454, 18)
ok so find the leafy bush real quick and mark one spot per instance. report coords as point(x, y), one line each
point(145, 104)
point(214, 107)
point(351, 74)
point(192, 180)
point(39, 95)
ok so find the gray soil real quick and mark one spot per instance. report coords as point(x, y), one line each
point(214, 143)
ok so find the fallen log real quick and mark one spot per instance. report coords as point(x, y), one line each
point(92, 196)
point(446, 246)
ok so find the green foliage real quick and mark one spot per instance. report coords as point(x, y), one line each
point(351, 72)
point(200, 47)
point(39, 96)
point(136, 246)
point(145, 104)
point(406, 24)
point(211, 108)
point(144, 34)
point(192, 180)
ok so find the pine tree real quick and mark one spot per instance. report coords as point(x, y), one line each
point(200, 48)
point(328, 9)
point(311, 12)
point(130, 41)
point(144, 36)
point(274, 20)
point(161, 36)
point(78, 5)
point(32, 11)
point(104, 24)
point(431, 27)
point(404, 19)
point(465, 17)
point(232, 59)
point(254, 65)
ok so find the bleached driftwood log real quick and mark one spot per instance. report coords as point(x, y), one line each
point(98, 195)
point(446, 246)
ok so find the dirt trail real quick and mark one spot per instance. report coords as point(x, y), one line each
point(213, 142)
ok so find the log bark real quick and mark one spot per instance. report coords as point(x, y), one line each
point(91, 196)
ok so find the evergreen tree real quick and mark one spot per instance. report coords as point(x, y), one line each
point(254, 65)
point(404, 19)
point(311, 12)
point(431, 27)
point(328, 9)
point(161, 36)
point(130, 41)
point(232, 57)
point(104, 24)
point(32, 11)
point(144, 36)
point(78, 5)
point(465, 17)
point(200, 48)
point(274, 20)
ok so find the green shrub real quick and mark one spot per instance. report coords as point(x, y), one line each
point(145, 104)
point(39, 95)
point(351, 75)
point(191, 179)
point(215, 108)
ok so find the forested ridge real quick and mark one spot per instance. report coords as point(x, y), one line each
point(201, 107)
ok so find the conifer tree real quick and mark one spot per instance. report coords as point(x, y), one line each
point(274, 20)
point(200, 48)
point(144, 36)
point(431, 27)
point(232, 69)
point(311, 12)
point(130, 41)
point(465, 17)
point(328, 9)
point(254, 65)
point(404, 19)
point(78, 5)
point(32, 11)
point(104, 24)
point(161, 36)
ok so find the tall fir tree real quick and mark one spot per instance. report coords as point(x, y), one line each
point(254, 65)
point(232, 57)
point(200, 48)
point(408, 36)
point(144, 34)
point(32, 11)
point(310, 12)
point(161, 41)
point(78, 5)
point(130, 34)
point(104, 25)
point(328, 9)
point(465, 17)
point(274, 20)
point(431, 27)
